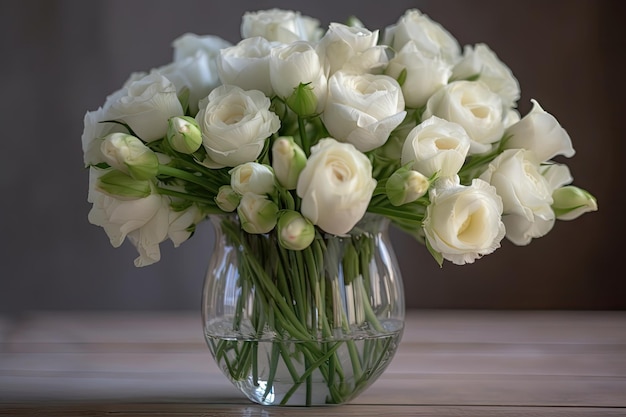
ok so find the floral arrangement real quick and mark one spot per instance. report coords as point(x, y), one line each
point(302, 131)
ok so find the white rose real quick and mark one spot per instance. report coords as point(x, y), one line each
point(472, 105)
point(146, 106)
point(363, 109)
point(278, 25)
point(247, 65)
point(483, 62)
point(436, 145)
point(296, 63)
point(252, 177)
point(144, 221)
point(526, 195)
point(464, 223)
point(540, 133)
point(194, 66)
point(235, 124)
point(424, 74)
point(341, 43)
point(336, 186)
point(429, 36)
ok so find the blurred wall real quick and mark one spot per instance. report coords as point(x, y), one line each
point(61, 58)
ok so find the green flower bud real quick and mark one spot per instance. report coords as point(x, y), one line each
point(303, 100)
point(570, 202)
point(257, 214)
point(129, 155)
point(295, 232)
point(405, 186)
point(183, 134)
point(227, 199)
point(288, 160)
point(117, 184)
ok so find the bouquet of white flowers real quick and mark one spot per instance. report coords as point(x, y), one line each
point(298, 133)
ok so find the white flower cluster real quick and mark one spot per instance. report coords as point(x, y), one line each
point(299, 129)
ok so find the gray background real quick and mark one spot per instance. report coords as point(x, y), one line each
point(61, 58)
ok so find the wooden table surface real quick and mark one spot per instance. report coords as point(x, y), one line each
point(450, 363)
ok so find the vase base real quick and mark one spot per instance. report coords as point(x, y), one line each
point(305, 373)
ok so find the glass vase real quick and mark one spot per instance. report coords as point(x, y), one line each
point(303, 328)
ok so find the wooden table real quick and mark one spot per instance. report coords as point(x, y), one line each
point(450, 363)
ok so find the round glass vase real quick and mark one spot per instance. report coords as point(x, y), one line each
point(310, 327)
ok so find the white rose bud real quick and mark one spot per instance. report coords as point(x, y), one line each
point(288, 160)
point(120, 185)
point(295, 64)
point(252, 177)
point(129, 154)
point(257, 214)
point(472, 105)
point(147, 105)
point(540, 133)
point(247, 65)
point(436, 146)
point(278, 25)
point(235, 125)
point(336, 186)
point(405, 186)
point(184, 134)
point(464, 223)
point(363, 109)
point(295, 232)
point(571, 202)
point(227, 199)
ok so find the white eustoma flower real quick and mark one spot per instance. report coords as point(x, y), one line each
point(526, 195)
point(464, 223)
point(235, 124)
point(182, 224)
point(288, 160)
point(481, 63)
point(336, 186)
point(144, 221)
point(247, 65)
point(363, 109)
point(424, 74)
point(252, 177)
point(146, 106)
point(279, 25)
point(341, 43)
point(475, 107)
point(540, 133)
point(430, 37)
point(294, 64)
point(194, 65)
point(436, 146)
